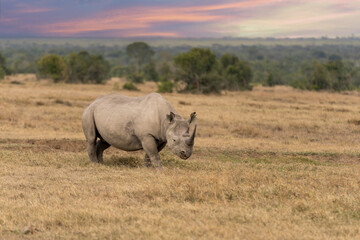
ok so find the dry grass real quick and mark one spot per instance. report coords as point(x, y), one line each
point(274, 163)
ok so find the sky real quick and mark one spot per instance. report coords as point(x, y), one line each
point(180, 18)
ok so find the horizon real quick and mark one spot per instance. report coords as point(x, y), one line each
point(278, 19)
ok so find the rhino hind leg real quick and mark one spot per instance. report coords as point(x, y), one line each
point(91, 147)
point(91, 134)
point(101, 146)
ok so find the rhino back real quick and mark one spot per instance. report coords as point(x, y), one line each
point(122, 121)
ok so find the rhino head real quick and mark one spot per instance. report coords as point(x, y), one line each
point(178, 137)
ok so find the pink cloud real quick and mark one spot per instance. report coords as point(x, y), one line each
point(147, 34)
point(144, 17)
point(35, 10)
point(254, 3)
point(27, 9)
point(252, 15)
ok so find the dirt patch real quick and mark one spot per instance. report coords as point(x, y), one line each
point(64, 145)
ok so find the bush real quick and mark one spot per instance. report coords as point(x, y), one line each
point(165, 87)
point(4, 70)
point(116, 86)
point(320, 78)
point(135, 77)
point(211, 83)
point(121, 71)
point(193, 66)
point(301, 84)
point(165, 71)
point(2, 73)
point(85, 68)
point(52, 66)
point(140, 53)
point(272, 80)
point(130, 86)
point(150, 72)
point(238, 76)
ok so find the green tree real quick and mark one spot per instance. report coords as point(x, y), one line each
point(135, 77)
point(5, 70)
point(140, 53)
point(320, 78)
point(85, 68)
point(211, 82)
point(270, 81)
point(165, 72)
point(98, 70)
point(194, 65)
point(332, 75)
point(122, 71)
point(130, 86)
point(150, 72)
point(52, 66)
point(227, 60)
point(238, 76)
point(339, 75)
point(2, 73)
point(78, 64)
point(165, 86)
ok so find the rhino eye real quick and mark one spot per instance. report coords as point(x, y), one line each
point(174, 140)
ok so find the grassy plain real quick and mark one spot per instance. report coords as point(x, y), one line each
point(273, 163)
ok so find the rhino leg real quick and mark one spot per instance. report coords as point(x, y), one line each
point(101, 146)
point(92, 151)
point(151, 150)
point(89, 129)
point(147, 158)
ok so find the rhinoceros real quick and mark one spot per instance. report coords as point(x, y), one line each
point(133, 123)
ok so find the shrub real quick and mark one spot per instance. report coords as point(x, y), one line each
point(238, 76)
point(165, 71)
point(121, 71)
point(135, 77)
point(140, 53)
point(130, 86)
point(2, 73)
point(193, 65)
point(320, 78)
point(272, 80)
point(211, 83)
point(150, 72)
point(3, 67)
point(165, 86)
point(116, 86)
point(85, 68)
point(52, 66)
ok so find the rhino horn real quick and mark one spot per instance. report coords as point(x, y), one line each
point(190, 141)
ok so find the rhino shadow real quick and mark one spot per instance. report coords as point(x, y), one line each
point(118, 161)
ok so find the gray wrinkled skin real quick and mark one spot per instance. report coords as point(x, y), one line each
point(133, 123)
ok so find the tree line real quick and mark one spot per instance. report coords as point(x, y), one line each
point(205, 70)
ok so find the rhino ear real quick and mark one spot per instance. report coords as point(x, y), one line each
point(171, 117)
point(192, 117)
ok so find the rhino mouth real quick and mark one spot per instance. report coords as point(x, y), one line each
point(183, 156)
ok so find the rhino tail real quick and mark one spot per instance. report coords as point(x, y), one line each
point(89, 126)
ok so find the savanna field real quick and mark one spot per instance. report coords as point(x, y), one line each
point(272, 163)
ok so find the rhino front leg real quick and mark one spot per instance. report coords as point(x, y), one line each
point(151, 150)
point(147, 158)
